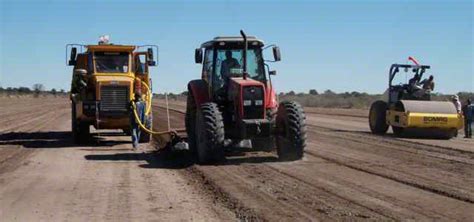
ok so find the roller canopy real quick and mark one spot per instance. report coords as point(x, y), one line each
point(416, 106)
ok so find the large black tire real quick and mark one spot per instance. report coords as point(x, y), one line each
point(290, 131)
point(144, 136)
point(209, 134)
point(190, 121)
point(80, 131)
point(377, 117)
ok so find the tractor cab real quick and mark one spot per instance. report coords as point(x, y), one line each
point(411, 90)
point(223, 60)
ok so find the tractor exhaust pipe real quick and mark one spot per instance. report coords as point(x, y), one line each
point(245, 54)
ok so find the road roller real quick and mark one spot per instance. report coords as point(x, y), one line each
point(409, 110)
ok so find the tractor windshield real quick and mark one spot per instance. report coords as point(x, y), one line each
point(229, 63)
point(111, 62)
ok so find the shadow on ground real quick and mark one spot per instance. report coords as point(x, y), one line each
point(408, 134)
point(55, 139)
point(169, 159)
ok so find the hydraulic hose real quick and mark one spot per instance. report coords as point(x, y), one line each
point(143, 127)
point(148, 98)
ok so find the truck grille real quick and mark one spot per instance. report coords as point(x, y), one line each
point(253, 103)
point(114, 98)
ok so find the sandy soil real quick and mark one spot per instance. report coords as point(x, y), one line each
point(44, 177)
point(346, 174)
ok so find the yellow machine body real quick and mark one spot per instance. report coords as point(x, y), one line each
point(98, 81)
point(424, 114)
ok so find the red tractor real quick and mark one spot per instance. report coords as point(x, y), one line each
point(234, 100)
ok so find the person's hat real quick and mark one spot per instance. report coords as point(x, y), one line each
point(455, 97)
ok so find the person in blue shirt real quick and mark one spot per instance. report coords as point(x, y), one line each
point(136, 131)
point(468, 111)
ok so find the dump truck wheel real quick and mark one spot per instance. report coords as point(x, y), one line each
point(291, 131)
point(264, 144)
point(74, 128)
point(144, 136)
point(209, 133)
point(190, 121)
point(80, 131)
point(377, 117)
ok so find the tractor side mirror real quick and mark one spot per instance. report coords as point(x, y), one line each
point(272, 73)
point(72, 59)
point(198, 55)
point(150, 61)
point(276, 53)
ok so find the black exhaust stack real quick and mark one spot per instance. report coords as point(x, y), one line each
point(245, 54)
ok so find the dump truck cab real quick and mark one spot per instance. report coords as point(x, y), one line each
point(409, 110)
point(105, 79)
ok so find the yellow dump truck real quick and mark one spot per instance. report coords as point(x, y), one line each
point(410, 111)
point(105, 79)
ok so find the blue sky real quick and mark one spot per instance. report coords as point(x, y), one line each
point(337, 45)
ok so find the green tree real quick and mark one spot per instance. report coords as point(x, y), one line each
point(313, 92)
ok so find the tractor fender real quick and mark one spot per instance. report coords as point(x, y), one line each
point(200, 91)
point(271, 100)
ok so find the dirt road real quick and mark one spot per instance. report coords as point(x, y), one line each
point(347, 174)
point(44, 177)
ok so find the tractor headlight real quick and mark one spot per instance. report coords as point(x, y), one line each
point(247, 102)
point(258, 102)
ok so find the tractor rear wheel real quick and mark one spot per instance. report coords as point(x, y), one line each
point(291, 131)
point(377, 117)
point(190, 121)
point(209, 134)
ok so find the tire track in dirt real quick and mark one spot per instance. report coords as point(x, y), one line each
point(409, 147)
point(359, 126)
point(13, 157)
point(379, 194)
point(430, 151)
point(424, 172)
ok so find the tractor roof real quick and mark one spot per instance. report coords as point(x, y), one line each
point(217, 41)
point(111, 48)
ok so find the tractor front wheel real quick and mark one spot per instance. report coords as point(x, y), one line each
point(209, 134)
point(291, 131)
